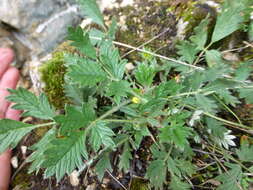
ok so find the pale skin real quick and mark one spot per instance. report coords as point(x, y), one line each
point(9, 77)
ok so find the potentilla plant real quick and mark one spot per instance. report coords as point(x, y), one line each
point(113, 109)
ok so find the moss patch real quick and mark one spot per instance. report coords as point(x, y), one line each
point(52, 74)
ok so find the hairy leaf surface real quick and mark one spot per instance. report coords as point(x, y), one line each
point(91, 10)
point(101, 134)
point(11, 132)
point(86, 73)
point(81, 40)
point(34, 106)
point(64, 155)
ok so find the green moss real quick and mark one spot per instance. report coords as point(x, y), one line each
point(22, 180)
point(52, 74)
point(139, 184)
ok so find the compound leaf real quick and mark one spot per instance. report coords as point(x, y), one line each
point(177, 184)
point(243, 72)
point(145, 74)
point(176, 133)
point(124, 163)
point(118, 89)
point(82, 41)
point(229, 20)
point(213, 57)
point(74, 118)
point(201, 33)
point(11, 132)
point(86, 73)
point(156, 173)
point(101, 134)
point(216, 128)
point(205, 103)
point(232, 179)
point(187, 51)
point(245, 153)
point(91, 9)
point(64, 155)
point(34, 106)
point(246, 93)
point(37, 157)
point(103, 165)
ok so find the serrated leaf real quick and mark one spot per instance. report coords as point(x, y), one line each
point(246, 93)
point(82, 41)
point(124, 163)
point(103, 165)
point(216, 72)
point(172, 167)
point(153, 106)
point(96, 36)
point(86, 73)
point(59, 159)
point(227, 97)
point(229, 20)
point(186, 167)
point(11, 132)
point(145, 74)
point(232, 179)
point(37, 157)
point(194, 81)
point(213, 57)
point(177, 184)
point(101, 134)
point(91, 10)
point(156, 173)
point(175, 133)
point(113, 29)
point(110, 58)
point(205, 103)
point(118, 89)
point(243, 72)
point(217, 129)
point(201, 32)
point(167, 88)
point(34, 106)
point(187, 51)
point(245, 153)
point(74, 118)
point(74, 93)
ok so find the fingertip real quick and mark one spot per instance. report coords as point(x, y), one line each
point(10, 78)
point(12, 113)
point(6, 57)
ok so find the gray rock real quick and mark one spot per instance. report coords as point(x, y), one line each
point(40, 24)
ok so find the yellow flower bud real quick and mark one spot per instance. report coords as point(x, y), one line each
point(136, 100)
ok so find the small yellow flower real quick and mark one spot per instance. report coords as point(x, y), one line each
point(136, 100)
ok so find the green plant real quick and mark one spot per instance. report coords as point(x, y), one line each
point(113, 110)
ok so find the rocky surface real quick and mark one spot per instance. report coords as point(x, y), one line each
point(39, 25)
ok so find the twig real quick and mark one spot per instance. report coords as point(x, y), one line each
point(115, 179)
point(147, 42)
point(151, 53)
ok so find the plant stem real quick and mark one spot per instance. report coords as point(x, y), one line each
point(226, 107)
point(151, 53)
point(114, 109)
point(43, 125)
point(229, 123)
point(191, 93)
point(92, 160)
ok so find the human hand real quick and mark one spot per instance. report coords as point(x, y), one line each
point(9, 77)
